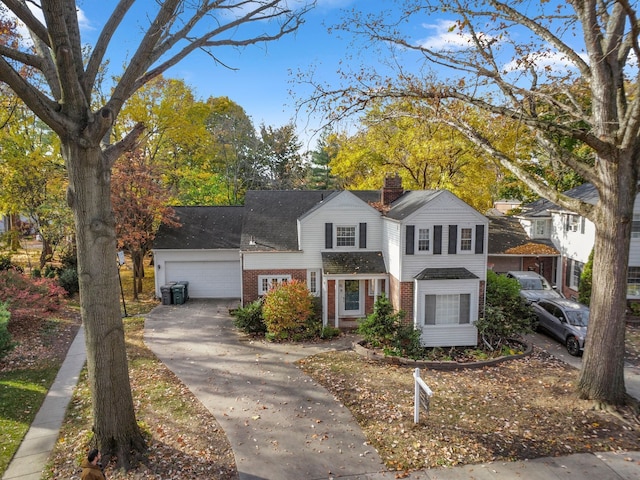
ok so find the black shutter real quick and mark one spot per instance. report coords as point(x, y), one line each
point(567, 273)
point(479, 238)
point(363, 235)
point(437, 239)
point(453, 238)
point(411, 236)
point(328, 235)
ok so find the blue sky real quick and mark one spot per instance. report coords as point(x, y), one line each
point(263, 75)
point(262, 78)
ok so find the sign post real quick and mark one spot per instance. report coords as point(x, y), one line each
point(422, 395)
point(120, 263)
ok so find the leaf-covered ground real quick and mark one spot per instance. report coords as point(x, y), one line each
point(521, 409)
point(184, 438)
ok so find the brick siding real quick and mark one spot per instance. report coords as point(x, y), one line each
point(250, 281)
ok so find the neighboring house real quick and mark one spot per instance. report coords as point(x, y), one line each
point(574, 237)
point(426, 250)
point(512, 248)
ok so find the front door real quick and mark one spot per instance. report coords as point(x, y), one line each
point(350, 297)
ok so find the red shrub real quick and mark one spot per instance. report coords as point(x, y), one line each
point(29, 297)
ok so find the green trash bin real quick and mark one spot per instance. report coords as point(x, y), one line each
point(178, 294)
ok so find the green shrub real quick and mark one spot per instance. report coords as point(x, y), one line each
point(7, 264)
point(506, 314)
point(329, 332)
point(386, 329)
point(6, 344)
point(380, 327)
point(68, 280)
point(249, 318)
point(287, 309)
point(586, 279)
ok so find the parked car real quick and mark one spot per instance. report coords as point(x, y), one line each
point(565, 320)
point(533, 286)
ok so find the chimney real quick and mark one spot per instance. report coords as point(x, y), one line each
point(392, 189)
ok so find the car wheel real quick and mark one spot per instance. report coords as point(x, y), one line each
point(573, 346)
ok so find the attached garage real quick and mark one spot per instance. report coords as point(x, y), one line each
point(221, 279)
point(203, 250)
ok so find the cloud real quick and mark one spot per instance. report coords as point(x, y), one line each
point(83, 22)
point(447, 36)
point(550, 61)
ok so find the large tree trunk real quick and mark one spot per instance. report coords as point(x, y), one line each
point(602, 374)
point(115, 426)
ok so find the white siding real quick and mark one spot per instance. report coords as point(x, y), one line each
point(280, 260)
point(342, 210)
point(391, 236)
point(447, 335)
point(444, 210)
point(634, 248)
point(574, 245)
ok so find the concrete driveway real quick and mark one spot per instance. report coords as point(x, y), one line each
point(555, 348)
point(281, 425)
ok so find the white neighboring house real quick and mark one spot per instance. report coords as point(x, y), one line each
point(574, 237)
point(426, 250)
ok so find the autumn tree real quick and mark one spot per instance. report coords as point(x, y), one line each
point(279, 157)
point(235, 146)
point(561, 71)
point(176, 139)
point(63, 95)
point(32, 178)
point(399, 137)
point(140, 204)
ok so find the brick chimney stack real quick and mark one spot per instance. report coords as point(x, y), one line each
point(391, 189)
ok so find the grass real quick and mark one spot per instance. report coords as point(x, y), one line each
point(21, 394)
point(23, 387)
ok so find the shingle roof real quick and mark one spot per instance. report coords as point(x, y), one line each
point(508, 237)
point(270, 220)
point(459, 273)
point(586, 192)
point(343, 263)
point(409, 202)
point(202, 228)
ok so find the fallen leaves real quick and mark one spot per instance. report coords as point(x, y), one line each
point(520, 409)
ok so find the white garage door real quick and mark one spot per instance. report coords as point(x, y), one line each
point(207, 279)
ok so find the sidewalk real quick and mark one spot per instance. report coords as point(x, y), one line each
point(29, 460)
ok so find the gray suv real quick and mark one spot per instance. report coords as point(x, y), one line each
point(565, 320)
point(533, 286)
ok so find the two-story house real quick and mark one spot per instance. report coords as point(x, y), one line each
point(426, 250)
point(574, 237)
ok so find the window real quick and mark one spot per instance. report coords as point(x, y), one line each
point(451, 309)
point(312, 282)
point(574, 223)
point(466, 236)
point(345, 236)
point(576, 271)
point(423, 239)
point(635, 226)
point(541, 228)
point(633, 282)
point(267, 282)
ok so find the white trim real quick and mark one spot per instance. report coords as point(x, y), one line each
point(269, 280)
